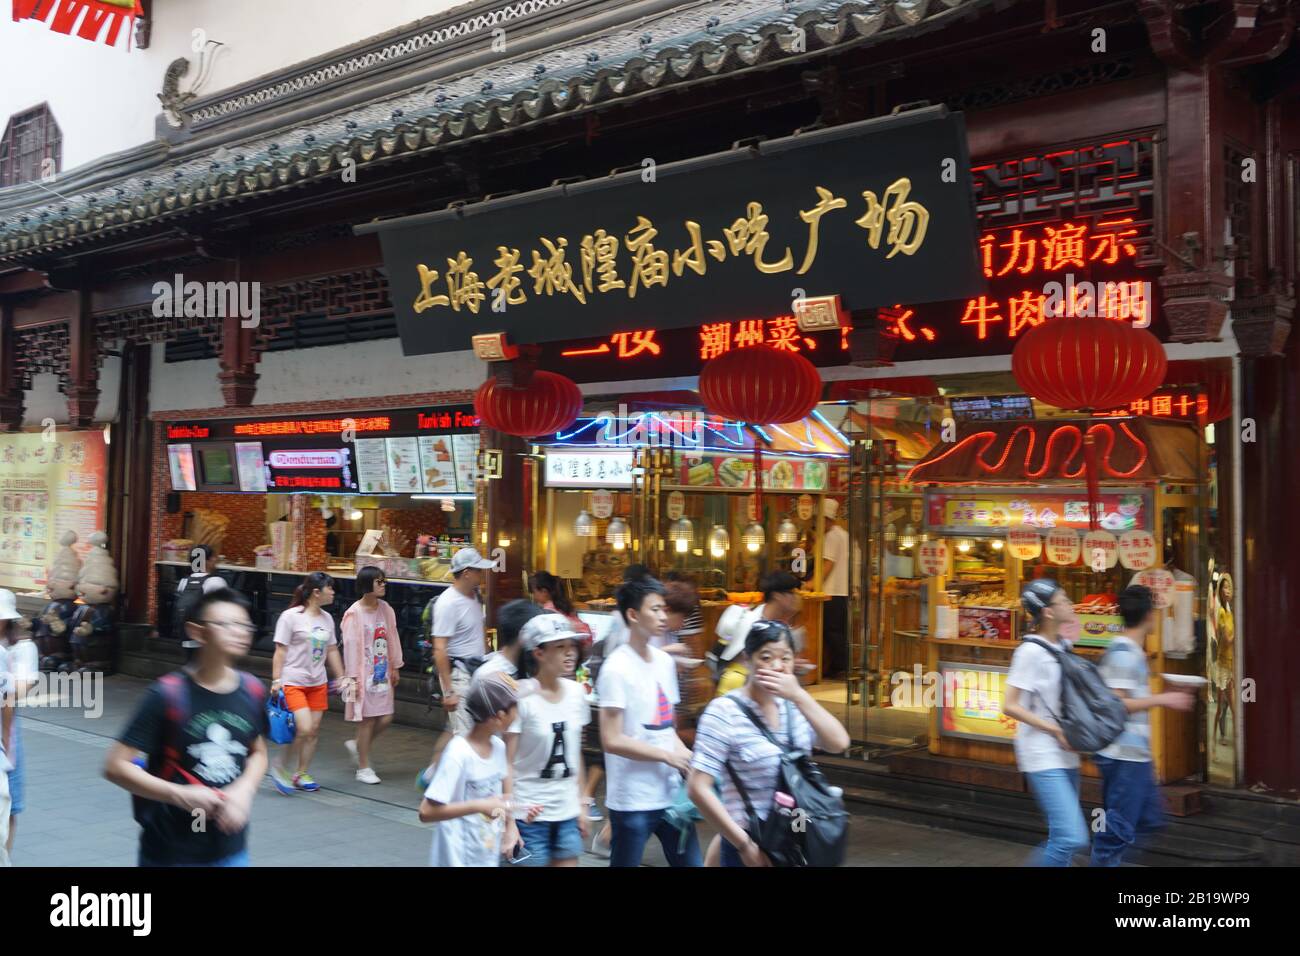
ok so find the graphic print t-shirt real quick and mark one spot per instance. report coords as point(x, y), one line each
point(474, 840)
point(646, 692)
point(214, 745)
point(308, 638)
point(550, 741)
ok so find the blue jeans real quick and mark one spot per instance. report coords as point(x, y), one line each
point(1133, 807)
point(1057, 793)
point(730, 855)
point(631, 831)
point(235, 859)
point(550, 840)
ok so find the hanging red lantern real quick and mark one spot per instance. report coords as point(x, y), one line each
point(1088, 364)
point(1214, 381)
point(760, 385)
point(548, 404)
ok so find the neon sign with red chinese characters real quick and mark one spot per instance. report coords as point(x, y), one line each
point(1178, 403)
point(314, 426)
point(188, 431)
point(1035, 272)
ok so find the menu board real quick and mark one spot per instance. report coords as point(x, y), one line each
point(252, 467)
point(49, 483)
point(372, 466)
point(971, 706)
point(466, 449)
point(404, 465)
point(737, 471)
point(437, 466)
point(998, 512)
point(181, 460)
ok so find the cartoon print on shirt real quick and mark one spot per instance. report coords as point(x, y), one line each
point(317, 643)
point(379, 656)
point(216, 755)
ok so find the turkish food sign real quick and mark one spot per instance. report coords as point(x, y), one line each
point(877, 212)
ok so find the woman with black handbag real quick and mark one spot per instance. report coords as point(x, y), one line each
point(750, 740)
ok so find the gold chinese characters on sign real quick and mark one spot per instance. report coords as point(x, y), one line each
point(894, 220)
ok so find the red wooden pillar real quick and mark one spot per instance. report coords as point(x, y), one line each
point(238, 373)
point(11, 389)
point(83, 365)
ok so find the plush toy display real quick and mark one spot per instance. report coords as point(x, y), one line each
point(52, 628)
point(94, 624)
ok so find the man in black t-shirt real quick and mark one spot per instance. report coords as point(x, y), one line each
point(200, 732)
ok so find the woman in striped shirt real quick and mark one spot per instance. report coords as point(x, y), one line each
point(727, 738)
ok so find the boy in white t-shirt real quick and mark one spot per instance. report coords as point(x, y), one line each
point(468, 797)
point(644, 758)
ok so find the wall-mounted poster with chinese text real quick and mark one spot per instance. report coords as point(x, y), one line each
point(49, 483)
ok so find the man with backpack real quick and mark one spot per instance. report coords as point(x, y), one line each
point(1130, 794)
point(1033, 699)
point(200, 732)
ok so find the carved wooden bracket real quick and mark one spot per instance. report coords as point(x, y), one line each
point(1195, 304)
point(1262, 323)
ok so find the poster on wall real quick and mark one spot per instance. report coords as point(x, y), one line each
point(252, 468)
point(998, 511)
point(403, 465)
point(737, 471)
point(372, 466)
point(437, 464)
point(466, 450)
point(48, 487)
point(180, 458)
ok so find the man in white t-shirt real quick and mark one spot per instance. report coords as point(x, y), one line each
point(459, 643)
point(645, 760)
point(835, 582)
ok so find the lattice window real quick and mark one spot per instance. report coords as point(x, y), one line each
point(32, 146)
point(1238, 198)
point(44, 349)
point(1107, 182)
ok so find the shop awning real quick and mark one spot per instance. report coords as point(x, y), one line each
point(1128, 450)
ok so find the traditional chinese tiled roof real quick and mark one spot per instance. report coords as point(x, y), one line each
point(688, 43)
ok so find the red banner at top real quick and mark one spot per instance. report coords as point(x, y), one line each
point(97, 18)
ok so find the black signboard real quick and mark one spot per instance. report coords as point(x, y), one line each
point(992, 408)
point(878, 212)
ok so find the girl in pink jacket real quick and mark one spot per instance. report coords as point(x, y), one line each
point(372, 657)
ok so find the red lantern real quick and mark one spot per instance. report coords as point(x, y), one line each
point(1088, 364)
point(760, 385)
point(549, 403)
point(1214, 380)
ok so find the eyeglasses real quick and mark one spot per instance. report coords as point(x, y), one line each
point(239, 626)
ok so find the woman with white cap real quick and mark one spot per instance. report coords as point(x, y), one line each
point(544, 744)
point(781, 602)
point(1033, 696)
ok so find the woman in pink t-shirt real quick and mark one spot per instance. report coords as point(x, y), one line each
point(372, 656)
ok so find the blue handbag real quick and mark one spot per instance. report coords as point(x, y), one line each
point(280, 719)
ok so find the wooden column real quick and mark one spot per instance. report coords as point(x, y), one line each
point(238, 373)
point(508, 498)
point(11, 389)
point(83, 367)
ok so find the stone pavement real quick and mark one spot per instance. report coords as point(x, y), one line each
point(76, 818)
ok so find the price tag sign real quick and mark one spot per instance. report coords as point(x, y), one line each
point(1161, 583)
point(805, 507)
point(933, 557)
point(602, 503)
point(1025, 545)
point(751, 509)
point(1062, 546)
point(676, 505)
point(1100, 550)
point(1137, 550)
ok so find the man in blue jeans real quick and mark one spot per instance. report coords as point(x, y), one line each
point(644, 758)
point(1130, 795)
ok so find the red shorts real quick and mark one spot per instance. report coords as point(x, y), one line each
point(301, 698)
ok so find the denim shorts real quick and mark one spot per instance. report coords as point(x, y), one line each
point(556, 840)
point(17, 789)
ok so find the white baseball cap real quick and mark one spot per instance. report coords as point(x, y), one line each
point(547, 628)
point(469, 558)
point(8, 606)
point(831, 508)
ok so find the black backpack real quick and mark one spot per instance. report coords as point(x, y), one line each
point(1091, 715)
point(815, 831)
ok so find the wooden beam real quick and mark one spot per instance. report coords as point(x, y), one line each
point(83, 371)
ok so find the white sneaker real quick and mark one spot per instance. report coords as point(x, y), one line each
point(351, 746)
point(367, 775)
point(598, 848)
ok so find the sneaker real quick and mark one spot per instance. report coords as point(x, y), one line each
point(304, 782)
point(351, 746)
point(424, 778)
point(367, 775)
point(593, 813)
point(283, 782)
point(599, 849)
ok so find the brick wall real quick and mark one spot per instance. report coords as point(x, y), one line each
point(161, 483)
point(247, 528)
